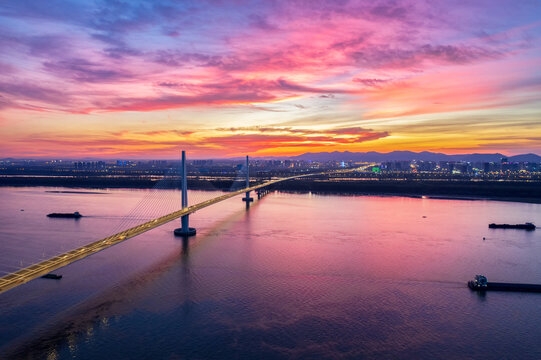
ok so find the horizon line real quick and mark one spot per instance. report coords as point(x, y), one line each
point(129, 158)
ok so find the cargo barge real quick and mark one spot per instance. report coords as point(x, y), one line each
point(480, 283)
point(74, 215)
point(52, 276)
point(525, 226)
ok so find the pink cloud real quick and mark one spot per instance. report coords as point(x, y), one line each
point(356, 60)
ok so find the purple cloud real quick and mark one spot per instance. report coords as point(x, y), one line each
point(179, 58)
point(28, 91)
point(85, 71)
point(371, 82)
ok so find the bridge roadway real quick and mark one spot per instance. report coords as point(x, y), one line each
point(36, 270)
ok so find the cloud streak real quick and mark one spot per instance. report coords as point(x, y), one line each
point(214, 142)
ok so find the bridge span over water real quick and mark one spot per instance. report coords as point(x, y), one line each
point(31, 272)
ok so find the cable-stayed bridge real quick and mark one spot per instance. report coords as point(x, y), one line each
point(36, 270)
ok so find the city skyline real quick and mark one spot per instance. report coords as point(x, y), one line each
point(224, 79)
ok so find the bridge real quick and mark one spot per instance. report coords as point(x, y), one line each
point(26, 274)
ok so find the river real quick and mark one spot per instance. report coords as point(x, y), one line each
point(300, 276)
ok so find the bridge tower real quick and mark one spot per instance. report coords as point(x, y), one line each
point(185, 230)
point(247, 198)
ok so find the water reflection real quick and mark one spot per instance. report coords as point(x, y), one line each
point(52, 354)
point(481, 295)
point(309, 276)
point(185, 246)
point(72, 343)
point(94, 314)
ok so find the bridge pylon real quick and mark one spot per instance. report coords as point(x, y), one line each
point(185, 230)
point(247, 198)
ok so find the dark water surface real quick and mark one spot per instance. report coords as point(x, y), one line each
point(295, 276)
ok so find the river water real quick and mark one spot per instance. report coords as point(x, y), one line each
point(301, 276)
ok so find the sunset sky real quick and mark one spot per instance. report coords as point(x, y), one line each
point(142, 79)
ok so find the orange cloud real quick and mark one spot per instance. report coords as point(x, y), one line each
point(224, 142)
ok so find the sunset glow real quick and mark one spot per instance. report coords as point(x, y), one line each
point(140, 79)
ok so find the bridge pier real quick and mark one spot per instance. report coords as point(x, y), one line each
point(247, 198)
point(262, 192)
point(185, 230)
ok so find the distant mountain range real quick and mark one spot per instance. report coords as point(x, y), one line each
point(409, 155)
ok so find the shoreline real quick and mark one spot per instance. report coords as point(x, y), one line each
point(526, 192)
point(420, 196)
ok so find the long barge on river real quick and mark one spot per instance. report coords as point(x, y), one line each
point(525, 226)
point(480, 283)
point(74, 215)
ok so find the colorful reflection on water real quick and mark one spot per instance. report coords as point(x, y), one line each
point(295, 276)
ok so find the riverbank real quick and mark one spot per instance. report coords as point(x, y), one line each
point(445, 190)
point(456, 190)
